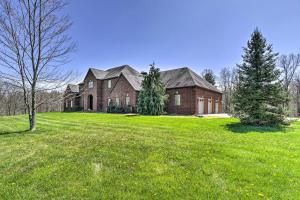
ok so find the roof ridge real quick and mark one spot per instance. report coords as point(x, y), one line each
point(175, 69)
point(121, 66)
point(190, 72)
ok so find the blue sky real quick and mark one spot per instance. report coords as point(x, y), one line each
point(175, 33)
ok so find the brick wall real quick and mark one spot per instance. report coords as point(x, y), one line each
point(207, 94)
point(189, 100)
point(186, 100)
point(88, 91)
point(120, 88)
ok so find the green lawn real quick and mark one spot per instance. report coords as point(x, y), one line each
point(106, 156)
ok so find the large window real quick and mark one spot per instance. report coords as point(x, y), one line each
point(127, 100)
point(91, 84)
point(117, 101)
point(177, 99)
point(71, 103)
point(109, 83)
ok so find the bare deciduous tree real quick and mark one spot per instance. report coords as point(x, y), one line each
point(34, 44)
point(227, 81)
point(289, 65)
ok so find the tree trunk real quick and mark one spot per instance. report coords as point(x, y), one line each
point(32, 115)
point(32, 120)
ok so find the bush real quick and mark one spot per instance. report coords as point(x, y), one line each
point(128, 109)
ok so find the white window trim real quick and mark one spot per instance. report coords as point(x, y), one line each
point(117, 101)
point(109, 83)
point(177, 99)
point(127, 100)
point(91, 84)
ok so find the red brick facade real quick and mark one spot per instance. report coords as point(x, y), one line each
point(95, 92)
point(189, 100)
point(120, 88)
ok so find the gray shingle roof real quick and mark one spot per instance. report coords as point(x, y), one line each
point(114, 72)
point(74, 88)
point(99, 74)
point(184, 77)
point(175, 78)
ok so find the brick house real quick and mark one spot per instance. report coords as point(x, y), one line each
point(189, 94)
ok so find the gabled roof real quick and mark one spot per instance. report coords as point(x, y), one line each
point(99, 74)
point(133, 76)
point(175, 78)
point(73, 88)
point(184, 77)
point(114, 72)
point(134, 80)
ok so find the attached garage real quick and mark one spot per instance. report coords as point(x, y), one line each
point(209, 106)
point(216, 106)
point(200, 106)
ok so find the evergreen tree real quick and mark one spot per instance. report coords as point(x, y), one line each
point(152, 97)
point(259, 96)
point(209, 76)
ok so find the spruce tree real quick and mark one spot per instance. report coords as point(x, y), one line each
point(209, 76)
point(259, 96)
point(152, 97)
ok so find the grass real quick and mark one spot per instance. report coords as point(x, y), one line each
point(106, 156)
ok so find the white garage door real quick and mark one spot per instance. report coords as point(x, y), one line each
point(200, 106)
point(209, 106)
point(216, 107)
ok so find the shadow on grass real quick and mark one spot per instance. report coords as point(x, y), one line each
point(242, 129)
point(13, 132)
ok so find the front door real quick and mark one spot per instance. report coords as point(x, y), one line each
point(200, 106)
point(90, 100)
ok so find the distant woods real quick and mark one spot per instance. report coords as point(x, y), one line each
point(11, 100)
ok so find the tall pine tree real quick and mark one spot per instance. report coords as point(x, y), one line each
point(152, 97)
point(259, 96)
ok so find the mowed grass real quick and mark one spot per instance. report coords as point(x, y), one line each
point(108, 156)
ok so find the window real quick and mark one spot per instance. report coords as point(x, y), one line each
point(177, 99)
point(91, 84)
point(127, 100)
point(117, 101)
point(71, 103)
point(108, 101)
point(109, 84)
point(66, 104)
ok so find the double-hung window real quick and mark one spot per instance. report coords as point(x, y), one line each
point(109, 83)
point(127, 100)
point(91, 84)
point(117, 101)
point(177, 99)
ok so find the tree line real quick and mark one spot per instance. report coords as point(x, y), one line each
point(11, 100)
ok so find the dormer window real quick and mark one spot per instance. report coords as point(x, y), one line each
point(109, 83)
point(91, 84)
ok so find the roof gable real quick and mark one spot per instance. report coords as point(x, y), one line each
point(184, 77)
point(73, 88)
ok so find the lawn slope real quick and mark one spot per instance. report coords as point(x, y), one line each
point(106, 156)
